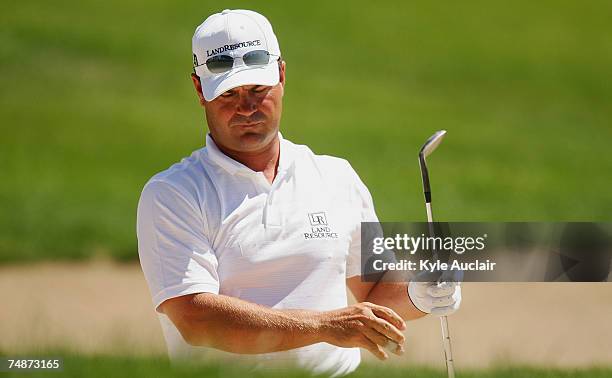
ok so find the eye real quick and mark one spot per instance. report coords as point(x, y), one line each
point(259, 89)
point(228, 94)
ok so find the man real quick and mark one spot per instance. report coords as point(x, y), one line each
point(249, 245)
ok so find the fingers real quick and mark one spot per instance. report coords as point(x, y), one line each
point(374, 348)
point(385, 328)
point(442, 289)
point(386, 344)
point(443, 311)
point(442, 301)
point(449, 306)
point(429, 296)
point(380, 327)
point(389, 315)
point(394, 348)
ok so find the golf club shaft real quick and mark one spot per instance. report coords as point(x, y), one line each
point(448, 352)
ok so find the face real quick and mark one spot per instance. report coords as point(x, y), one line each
point(246, 118)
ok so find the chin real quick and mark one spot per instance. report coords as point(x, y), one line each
point(250, 141)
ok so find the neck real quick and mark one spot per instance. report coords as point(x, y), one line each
point(264, 160)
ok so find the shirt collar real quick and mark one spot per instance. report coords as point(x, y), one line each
point(217, 157)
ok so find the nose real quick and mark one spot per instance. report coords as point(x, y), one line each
point(247, 103)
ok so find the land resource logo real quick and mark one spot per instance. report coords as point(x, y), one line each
point(233, 46)
point(317, 219)
point(319, 228)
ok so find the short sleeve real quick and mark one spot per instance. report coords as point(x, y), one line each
point(362, 201)
point(175, 252)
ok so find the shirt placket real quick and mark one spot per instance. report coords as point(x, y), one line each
point(271, 211)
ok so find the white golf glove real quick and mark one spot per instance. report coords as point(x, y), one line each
point(434, 298)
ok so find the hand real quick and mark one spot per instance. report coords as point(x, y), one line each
point(434, 298)
point(365, 325)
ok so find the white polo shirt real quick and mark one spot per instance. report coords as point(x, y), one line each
point(211, 224)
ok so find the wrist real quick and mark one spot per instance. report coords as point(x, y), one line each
point(409, 288)
point(301, 328)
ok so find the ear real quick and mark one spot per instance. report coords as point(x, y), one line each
point(198, 87)
point(281, 72)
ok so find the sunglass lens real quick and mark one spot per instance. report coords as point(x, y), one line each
point(256, 58)
point(220, 63)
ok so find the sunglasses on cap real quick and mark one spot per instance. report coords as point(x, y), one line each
point(223, 63)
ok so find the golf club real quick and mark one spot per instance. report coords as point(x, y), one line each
point(428, 148)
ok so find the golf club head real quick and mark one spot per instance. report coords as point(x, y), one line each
point(432, 143)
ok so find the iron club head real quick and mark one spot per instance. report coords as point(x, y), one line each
point(432, 143)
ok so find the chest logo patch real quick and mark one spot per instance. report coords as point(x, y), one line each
point(319, 227)
point(317, 219)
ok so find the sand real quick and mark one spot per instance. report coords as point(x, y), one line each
point(104, 307)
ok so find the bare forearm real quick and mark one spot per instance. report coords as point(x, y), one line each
point(238, 326)
point(395, 296)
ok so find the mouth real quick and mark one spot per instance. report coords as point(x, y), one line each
point(247, 125)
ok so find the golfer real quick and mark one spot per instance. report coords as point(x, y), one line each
point(250, 244)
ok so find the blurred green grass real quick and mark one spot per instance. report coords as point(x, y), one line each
point(95, 98)
point(133, 367)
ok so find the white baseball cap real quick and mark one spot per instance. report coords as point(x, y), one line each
point(234, 33)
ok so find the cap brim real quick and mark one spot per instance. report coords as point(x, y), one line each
point(213, 86)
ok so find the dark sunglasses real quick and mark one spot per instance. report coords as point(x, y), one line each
point(223, 63)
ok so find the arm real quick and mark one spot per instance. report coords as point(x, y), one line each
point(390, 292)
point(238, 326)
point(393, 295)
point(411, 300)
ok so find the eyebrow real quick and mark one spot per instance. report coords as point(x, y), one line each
point(229, 91)
point(255, 86)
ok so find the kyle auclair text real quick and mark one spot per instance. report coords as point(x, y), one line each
point(433, 265)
